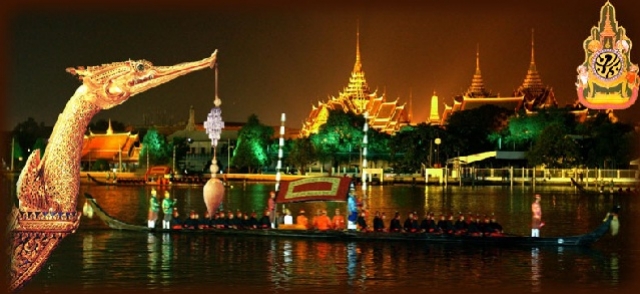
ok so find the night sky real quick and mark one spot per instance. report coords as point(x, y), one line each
point(285, 56)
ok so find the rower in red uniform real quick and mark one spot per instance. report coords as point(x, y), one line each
point(536, 219)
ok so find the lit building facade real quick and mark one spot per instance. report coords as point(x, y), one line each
point(357, 98)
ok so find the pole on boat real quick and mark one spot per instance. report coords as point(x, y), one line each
point(364, 155)
point(283, 118)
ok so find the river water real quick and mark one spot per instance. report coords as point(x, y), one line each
point(98, 259)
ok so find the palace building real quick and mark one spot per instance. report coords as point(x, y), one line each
point(384, 116)
point(477, 96)
point(114, 148)
point(536, 95)
point(531, 96)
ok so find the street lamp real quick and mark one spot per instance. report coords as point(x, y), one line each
point(437, 141)
point(229, 147)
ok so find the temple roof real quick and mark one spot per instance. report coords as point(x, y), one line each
point(477, 83)
point(358, 98)
point(108, 146)
point(536, 95)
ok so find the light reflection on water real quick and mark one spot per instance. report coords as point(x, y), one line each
point(97, 259)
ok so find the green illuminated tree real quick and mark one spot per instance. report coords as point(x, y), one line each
point(155, 145)
point(554, 148)
point(607, 144)
point(41, 145)
point(302, 154)
point(410, 147)
point(338, 137)
point(251, 147)
point(469, 130)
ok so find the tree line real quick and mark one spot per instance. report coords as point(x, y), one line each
point(551, 137)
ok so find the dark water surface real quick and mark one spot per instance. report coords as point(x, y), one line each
point(96, 259)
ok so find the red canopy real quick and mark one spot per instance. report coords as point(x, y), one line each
point(314, 189)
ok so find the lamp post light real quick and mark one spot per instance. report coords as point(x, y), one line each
point(437, 141)
point(229, 147)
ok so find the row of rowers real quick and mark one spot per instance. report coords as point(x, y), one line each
point(474, 226)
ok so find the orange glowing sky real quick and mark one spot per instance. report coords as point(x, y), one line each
point(284, 57)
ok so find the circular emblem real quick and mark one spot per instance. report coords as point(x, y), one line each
point(607, 64)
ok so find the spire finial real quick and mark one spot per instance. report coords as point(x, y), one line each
point(110, 129)
point(478, 58)
point(532, 46)
point(358, 66)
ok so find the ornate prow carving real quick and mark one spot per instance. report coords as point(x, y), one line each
point(48, 187)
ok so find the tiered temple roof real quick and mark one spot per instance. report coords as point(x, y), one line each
point(477, 96)
point(536, 95)
point(385, 116)
point(111, 146)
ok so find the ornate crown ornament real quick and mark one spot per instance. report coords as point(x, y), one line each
point(34, 235)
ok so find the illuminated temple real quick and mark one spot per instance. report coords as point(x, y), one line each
point(477, 96)
point(114, 148)
point(536, 95)
point(383, 116)
point(531, 96)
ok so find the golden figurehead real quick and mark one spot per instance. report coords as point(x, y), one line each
point(48, 186)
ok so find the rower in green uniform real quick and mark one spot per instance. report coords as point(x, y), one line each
point(167, 208)
point(154, 208)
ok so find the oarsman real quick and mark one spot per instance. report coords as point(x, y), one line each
point(408, 224)
point(176, 222)
point(495, 229)
point(378, 223)
point(239, 219)
point(231, 221)
point(472, 227)
point(288, 218)
point(302, 220)
point(415, 223)
point(322, 222)
point(460, 226)
point(362, 222)
point(265, 221)
point(442, 224)
point(395, 225)
point(253, 220)
point(338, 222)
point(167, 209)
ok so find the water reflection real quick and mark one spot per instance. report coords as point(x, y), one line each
point(535, 270)
point(152, 258)
point(184, 262)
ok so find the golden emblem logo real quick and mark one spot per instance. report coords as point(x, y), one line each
point(607, 65)
point(607, 79)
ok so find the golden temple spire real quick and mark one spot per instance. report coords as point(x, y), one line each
point(358, 66)
point(110, 129)
point(434, 117)
point(478, 59)
point(532, 80)
point(533, 62)
point(477, 84)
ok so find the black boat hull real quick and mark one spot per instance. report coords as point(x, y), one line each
point(507, 240)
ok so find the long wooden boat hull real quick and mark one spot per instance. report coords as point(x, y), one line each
point(507, 240)
point(142, 182)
